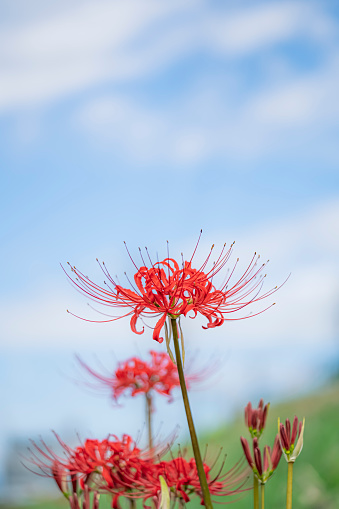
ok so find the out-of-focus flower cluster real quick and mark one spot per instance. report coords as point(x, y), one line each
point(120, 468)
point(136, 376)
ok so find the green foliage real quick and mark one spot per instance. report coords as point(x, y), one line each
point(316, 471)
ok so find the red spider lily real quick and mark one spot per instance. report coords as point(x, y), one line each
point(166, 289)
point(136, 376)
point(263, 469)
point(107, 462)
point(255, 418)
point(118, 467)
point(181, 477)
point(291, 440)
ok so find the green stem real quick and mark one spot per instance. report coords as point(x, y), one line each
point(149, 420)
point(255, 492)
point(200, 468)
point(289, 485)
point(262, 496)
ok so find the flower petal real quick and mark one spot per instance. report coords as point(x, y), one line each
point(158, 327)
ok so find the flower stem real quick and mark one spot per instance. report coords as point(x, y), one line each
point(149, 420)
point(200, 467)
point(289, 485)
point(255, 492)
point(262, 496)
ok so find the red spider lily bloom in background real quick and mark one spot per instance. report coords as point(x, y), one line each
point(135, 376)
point(255, 418)
point(291, 440)
point(119, 468)
point(182, 476)
point(110, 462)
point(182, 479)
point(262, 468)
point(169, 289)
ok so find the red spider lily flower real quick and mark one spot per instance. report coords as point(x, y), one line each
point(136, 376)
point(264, 467)
point(291, 440)
point(107, 462)
point(255, 418)
point(181, 477)
point(169, 289)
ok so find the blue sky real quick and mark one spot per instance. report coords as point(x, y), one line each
point(145, 122)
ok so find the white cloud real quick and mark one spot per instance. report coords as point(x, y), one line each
point(305, 313)
point(255, 28)
point(83, 45)
point(206, 123)
point(87, 43)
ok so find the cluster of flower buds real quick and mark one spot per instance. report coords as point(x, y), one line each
point(288, 441)
point(120, 468)
point(264, 465)
point(255, 418)
point(291, 438)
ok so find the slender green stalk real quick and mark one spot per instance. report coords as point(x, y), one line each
point(200, 468)
point(289, 485)
point(255, 492)
point(149, 420)
point(262, 496)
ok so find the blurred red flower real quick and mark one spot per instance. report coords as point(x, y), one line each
point(167, 289)
point(110, 462)
point(181, 477)
point(135, 376)
point(120, 468)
